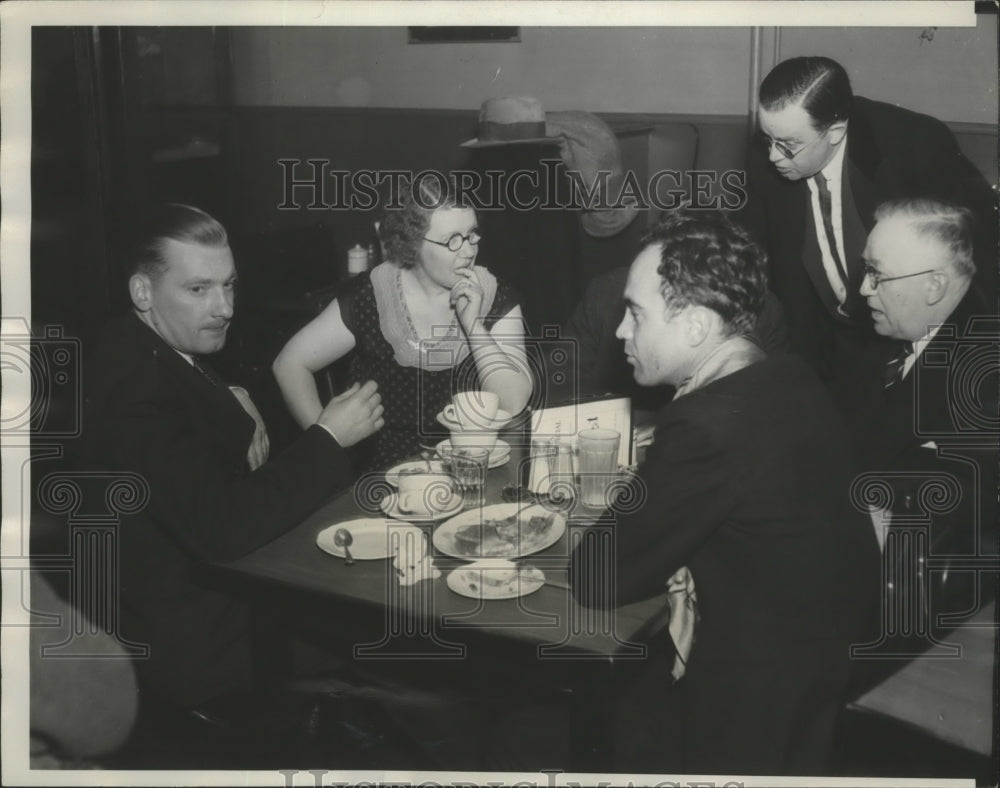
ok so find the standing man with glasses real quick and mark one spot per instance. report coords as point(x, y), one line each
point(825, 160)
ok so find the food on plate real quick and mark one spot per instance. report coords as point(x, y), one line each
point(502, 538)
point(495, 582)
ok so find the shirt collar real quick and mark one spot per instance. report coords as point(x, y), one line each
point(730, 356)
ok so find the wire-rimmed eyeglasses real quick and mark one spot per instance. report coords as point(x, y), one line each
point(874, 278)
point(455, 240)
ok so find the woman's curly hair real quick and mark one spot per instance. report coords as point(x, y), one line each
point(407, 215)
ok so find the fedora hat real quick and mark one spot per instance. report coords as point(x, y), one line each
point(510, 120)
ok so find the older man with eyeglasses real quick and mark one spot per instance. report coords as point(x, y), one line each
point(925, 422)
point(825, 159)
point(918, 274)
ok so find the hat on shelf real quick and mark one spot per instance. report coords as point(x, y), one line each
point(510, 120)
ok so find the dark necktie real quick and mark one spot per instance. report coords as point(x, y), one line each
point(894, 369)
point(826, 208)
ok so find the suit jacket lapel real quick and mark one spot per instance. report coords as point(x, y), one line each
point(855, 237)
point(226, 412)
point(863, 158)
point(924, 393)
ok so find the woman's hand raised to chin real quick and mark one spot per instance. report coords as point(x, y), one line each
point(467, 299)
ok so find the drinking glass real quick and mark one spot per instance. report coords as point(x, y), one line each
point(597, 462)
point(469, 467)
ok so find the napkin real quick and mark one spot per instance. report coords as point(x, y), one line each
point(683, 618)
point(411, 560)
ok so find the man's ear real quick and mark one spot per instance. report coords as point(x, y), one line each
point(699, 324)
point(937, 287)
point(140, 288)
point(836, 131)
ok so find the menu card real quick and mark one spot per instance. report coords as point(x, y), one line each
point(563, 422)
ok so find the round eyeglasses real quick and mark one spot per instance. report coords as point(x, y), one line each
point(455, 240)
point(768, 143)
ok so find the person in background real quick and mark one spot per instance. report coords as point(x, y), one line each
point(425, 324)
point(743, 519)
point(82, 707)
point(826, 159)
point(154, 407)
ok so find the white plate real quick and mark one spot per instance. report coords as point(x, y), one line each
point(392, 475)
point(371, 538)
point(445, 540)
point(390, 505)
point(499, 455)
point(501, 420)
point(495, 580)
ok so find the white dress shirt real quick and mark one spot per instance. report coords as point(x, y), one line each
point(834, 174)
point(918, 348)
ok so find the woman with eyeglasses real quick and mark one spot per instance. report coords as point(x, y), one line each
point(425, 324)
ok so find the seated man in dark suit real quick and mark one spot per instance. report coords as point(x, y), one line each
point(154, 407)
point(930, 414)
point(744, 508)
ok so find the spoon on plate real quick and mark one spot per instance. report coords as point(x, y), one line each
point(342, 538)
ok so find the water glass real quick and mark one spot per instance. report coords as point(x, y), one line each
point(543, 454)
point(469, 467)
point(597, 462)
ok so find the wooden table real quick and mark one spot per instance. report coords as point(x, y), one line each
point(951, 698)
point(545, 630)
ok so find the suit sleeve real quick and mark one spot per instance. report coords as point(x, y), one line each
point(201, 493)
point(682, 497)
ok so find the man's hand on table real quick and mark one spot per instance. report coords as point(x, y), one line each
point(354, 414)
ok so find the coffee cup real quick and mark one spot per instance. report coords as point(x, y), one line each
point(472, 410)
point(425, 493)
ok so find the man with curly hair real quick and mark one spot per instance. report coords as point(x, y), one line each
point(742, 520)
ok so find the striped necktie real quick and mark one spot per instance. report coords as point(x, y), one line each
point(826, 208)
point(894, 369)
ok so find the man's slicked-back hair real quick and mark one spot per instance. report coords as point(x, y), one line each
point(949, 225)
point(819, 83)
point(170, 222)
point(706, 260)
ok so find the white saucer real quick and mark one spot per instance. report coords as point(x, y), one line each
point(390, 505)
point(501, 420)
point(499, 455)
point(392, 475)
point(495, 580)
